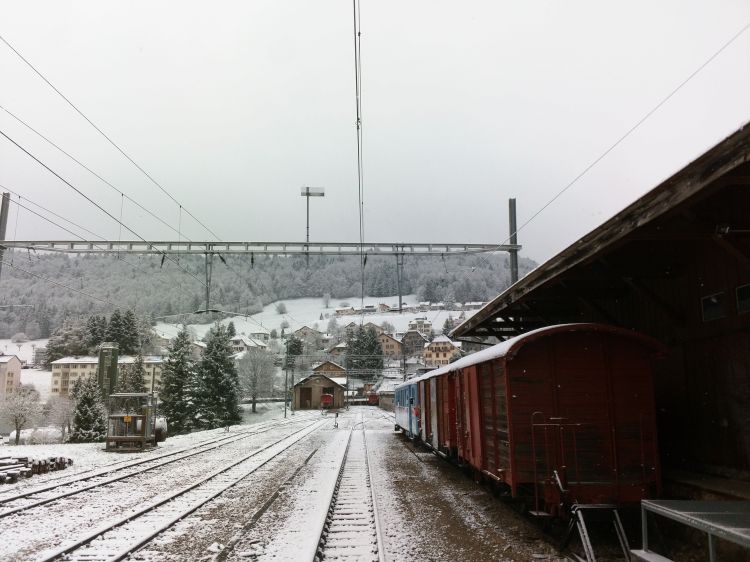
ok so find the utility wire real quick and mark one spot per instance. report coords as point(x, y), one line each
point(48, 280)
point(110, 215)
point(102, 133)
point(131, 264)
point(630, 131)
point(92, 172)
point(55, 214)
point(360, 171)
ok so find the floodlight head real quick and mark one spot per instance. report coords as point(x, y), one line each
point(312, 191)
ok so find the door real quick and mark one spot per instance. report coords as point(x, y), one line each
point(305, 398)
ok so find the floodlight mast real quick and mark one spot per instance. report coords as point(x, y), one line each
point(308, 192)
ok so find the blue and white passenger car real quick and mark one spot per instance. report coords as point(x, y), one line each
point(406, 406)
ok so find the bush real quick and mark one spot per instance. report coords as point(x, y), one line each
point(19, 337)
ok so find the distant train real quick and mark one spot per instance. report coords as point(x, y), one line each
point(558, 416)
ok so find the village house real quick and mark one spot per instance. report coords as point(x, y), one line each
point(10, 375)
point(307, 333)
point(344, 311)
point(337, 350)
point(329, 368)
point(66, 371)
point(413, 343)
point(243, 343)
point(196, 350)
point(260, 335)
point(421, 325)
point(440, 351)
point(390, 345)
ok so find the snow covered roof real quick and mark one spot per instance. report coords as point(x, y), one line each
point(336, 365)
point(7, 358)
point(388, 386)
point(247, 342)
point(510, 346)
point(121, 360)
point(74, 359)
point(128, 359)
point(340, 381)
point(200, 344)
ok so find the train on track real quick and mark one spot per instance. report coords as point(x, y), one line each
point(558, 417)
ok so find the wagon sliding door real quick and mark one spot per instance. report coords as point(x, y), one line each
point(494, 418)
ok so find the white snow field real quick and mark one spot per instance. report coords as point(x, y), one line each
point(307, 311)
point(263, 492)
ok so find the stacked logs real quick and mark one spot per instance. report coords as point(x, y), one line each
point(13, 468)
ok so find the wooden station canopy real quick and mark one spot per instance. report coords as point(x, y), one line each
point(643, 252)
point(675, 265)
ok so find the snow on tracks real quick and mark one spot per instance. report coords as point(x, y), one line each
point(117, 539)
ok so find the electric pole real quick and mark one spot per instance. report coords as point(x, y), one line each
point(513, 240)
point(3, 224)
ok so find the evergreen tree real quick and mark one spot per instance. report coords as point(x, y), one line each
point(133, 377)
point(89, 419)
point(138, 375)
point(69, 339)
point(364, 354)
point(294, 348)
point(231, 330)
point(96, 329)
point(176, 385)
point(115, 330)
point(218, 392)
point(448, 325)
point(129, 343)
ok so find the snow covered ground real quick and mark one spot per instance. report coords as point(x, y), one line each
point(428, 510)
point(24, 350)
point(307, 312)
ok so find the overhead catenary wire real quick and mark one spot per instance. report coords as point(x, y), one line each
point(103, 134)
point(630, 131)
point(95, 174)
point(3, 187)
point(360, 145)
point(93, 243)
point(90, 200)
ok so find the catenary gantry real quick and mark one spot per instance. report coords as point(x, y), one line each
point(260, 248)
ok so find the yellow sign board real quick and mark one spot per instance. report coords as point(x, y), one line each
point(126, 419)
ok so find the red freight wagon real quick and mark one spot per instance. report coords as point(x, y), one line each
point(563, 415)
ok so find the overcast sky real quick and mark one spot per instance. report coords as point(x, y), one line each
point(232, 106)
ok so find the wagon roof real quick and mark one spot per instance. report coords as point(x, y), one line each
point(510, 347)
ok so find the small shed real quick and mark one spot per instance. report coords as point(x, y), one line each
point(307, 392)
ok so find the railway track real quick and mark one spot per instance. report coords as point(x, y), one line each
point(352, 529)
point(119, 538)
point(41, 495)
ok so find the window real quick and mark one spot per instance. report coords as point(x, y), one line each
point(713, 307)
point(328, 390)
point(743, 299)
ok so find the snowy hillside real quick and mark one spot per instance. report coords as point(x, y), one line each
point(308, 311)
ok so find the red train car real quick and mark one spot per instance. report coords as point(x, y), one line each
point(560, 415)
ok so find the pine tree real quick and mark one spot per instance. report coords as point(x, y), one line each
point(89, 418)
point(138, 375)
point(69, 339)
point(96, 328)
point(177, 380)
point(364, 354)
point(218, 393)
point(129, 343)
point(115, 330)
point(231, 330)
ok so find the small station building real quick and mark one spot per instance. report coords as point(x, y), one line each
point(308, 391)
